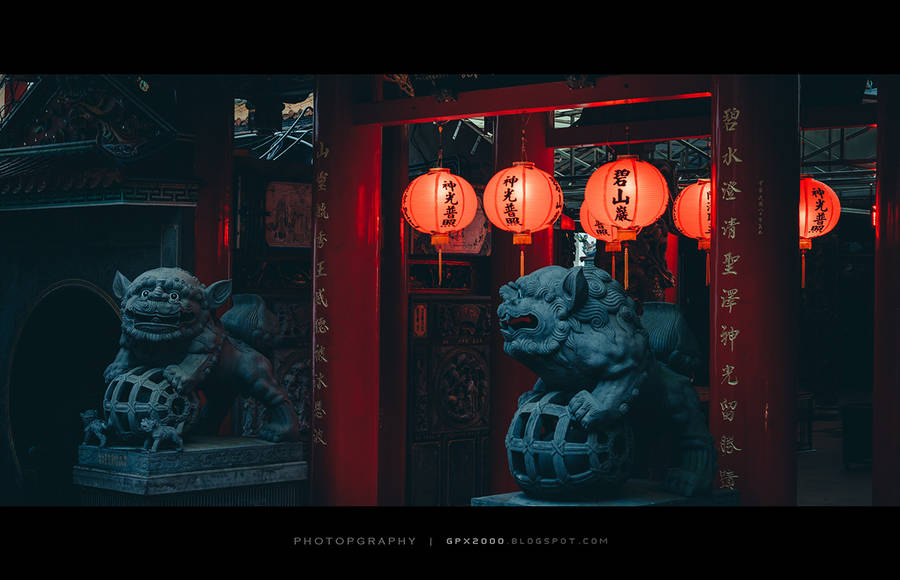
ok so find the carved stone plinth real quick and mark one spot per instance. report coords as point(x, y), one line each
point(209, 471)
point(635, 492)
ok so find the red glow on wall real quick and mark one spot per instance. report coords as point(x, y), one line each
point(874, 216)
point(226, 227)
point(672, 266)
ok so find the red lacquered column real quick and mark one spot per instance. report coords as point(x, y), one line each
point(346, 299)
point(395, 319)
point(755, 285)
point(510, 378)
point(886, 377)
point(210, 111)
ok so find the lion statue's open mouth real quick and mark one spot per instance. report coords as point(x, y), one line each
point(159, 322)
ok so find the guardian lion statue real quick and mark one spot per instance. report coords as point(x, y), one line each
point(169, 321)
point(578, 331)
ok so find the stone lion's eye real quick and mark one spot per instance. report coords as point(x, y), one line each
point(145, 293)
point(173, 297)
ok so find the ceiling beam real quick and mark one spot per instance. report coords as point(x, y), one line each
point(861, 115)
point(673, 128)
point(637, 132)
point(535, 98)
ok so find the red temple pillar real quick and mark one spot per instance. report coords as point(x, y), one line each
point(755, 285)
point(209, 108)
point(346, 296)
point(886, 376)
point(395, 314)
point(509, 377)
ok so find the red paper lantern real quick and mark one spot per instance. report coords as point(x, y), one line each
point(594, 227)
point(601, 232)
point(692, 214)
point(628, 193)
point(820, 210)
point(438, 203)
point(522, 199)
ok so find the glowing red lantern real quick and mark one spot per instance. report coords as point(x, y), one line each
point(692, 214)
point(522, 199)
point(629, 193)
point(438, 203)
point(601, 232)
point(820, 210)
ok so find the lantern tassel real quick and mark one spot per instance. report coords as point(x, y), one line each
point(613, 255)
point(803, 268)
point(440, 267)
point(707, 267)
point(625, 275)
point(521, 261)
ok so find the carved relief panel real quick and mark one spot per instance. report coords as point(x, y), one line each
point(449, 400)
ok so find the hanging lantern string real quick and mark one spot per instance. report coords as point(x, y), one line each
point(524, 123)
point(525, 120)
point(627, 134)
point(440, 125)
point(627, 139)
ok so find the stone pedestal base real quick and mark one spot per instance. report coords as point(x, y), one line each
point(233, 471)
point(634, 493)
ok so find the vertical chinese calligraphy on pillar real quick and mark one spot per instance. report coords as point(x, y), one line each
point(346, 327)
point(754, 260)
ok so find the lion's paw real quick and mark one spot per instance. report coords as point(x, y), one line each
point(178, 378)
point(585, 409)
point(112, 371)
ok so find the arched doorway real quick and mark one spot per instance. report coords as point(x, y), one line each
point(66, 341)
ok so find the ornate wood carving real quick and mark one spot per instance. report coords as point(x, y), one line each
point(462, 389)
point(449, 394)
point(85, 108)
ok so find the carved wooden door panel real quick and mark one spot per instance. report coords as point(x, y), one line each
point(449, 393)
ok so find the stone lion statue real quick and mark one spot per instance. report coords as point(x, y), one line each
point(169, 321)
point(578, 331)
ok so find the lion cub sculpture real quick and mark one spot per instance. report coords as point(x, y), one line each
point(578, 331)
point(169, 321)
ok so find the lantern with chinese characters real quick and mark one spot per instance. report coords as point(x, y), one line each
point(601, 232)
point(522, 199)
point(820, 210)
point(439, 203)
point(628, 193)
point(692, 214)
